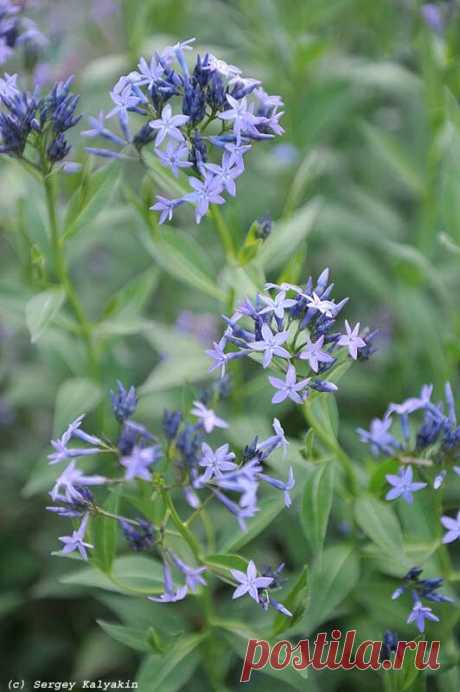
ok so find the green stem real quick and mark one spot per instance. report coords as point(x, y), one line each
point(183, 529)
point(60, 269)
point(341, 455)
point(224, 232)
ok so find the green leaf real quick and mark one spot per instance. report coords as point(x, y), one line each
point(185, 360)
point(170, 672)
point(296, 601)
point(93, 195)
point(75, 397)
point(269, 508)
point(129, 636)
point(132, 298)
point(317, 503)
point(398, 161)
point(130, 574)
point(180, 256)
point(104, 534)
point(287, 236)
point(226, 561)
point(41, 311)
point(379, 522)
point(334, 575)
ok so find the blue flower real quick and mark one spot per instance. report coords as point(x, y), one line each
point(249, 583)
point(166, 207)
point(244, 121)
point(207, 416)
point(270, 344)
point(138, 462)
point(352, 340)
point(289, 388)
point(193, 575)
point(314, 354)
point(174, 157)
point(169, 125)
point(277, 305)
point(124, 98)
point(77, 540)
point(226, 174)
point(206, 192)
point(453, 528)
point(419, 614)
point(379, 438)
point(215, 461)
point(403, 485)
point(70, 482)
point(171, 594)
point(280, 485)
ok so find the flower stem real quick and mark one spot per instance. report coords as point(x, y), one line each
point(61, 272)
point(224, 232)
point(183, 529)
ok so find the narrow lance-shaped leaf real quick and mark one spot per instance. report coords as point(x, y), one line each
point(41, 310)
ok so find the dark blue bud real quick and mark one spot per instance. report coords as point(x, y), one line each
point(171, 423)
point(140, 536)
point(124, 402)
point(58, 149)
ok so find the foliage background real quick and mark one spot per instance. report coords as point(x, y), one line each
point(365, 182)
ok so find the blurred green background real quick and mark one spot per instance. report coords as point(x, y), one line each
point(368, 168)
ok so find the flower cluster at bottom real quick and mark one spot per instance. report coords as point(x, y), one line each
point(182, 460)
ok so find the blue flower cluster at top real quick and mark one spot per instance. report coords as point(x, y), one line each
point(15, 29)
point(233, 480)
point(432, 445)
point(292, 329)
point(32, 127)
point(421, 589)
point(220, 112)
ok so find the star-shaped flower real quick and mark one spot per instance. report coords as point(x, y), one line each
point(379, 438)
point(419, 614)
point(453, 528)
point(249, 582)
point(243, 119)
point(206, 192)
point(124, 98)
point(351, 340)
point(76, 540)
point(208, 417)
point(325, 307)
point(403, 485)
point(149, 72)
point(138, 462)
point(168, 125)
point(277, 305)
point(289, 387)
point(70, 478)
point(314, 354)
point(226, 174)
point(171, 594)
point(174, 157)
point(271, 345)
point(216, 461)
point(166, 207)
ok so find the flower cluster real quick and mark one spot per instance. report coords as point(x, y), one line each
point(16, 30)
point(220, 114)
point(431, 445)
point(421, 589)
point(183, 459)
point(292, 330)
point(32, 127)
